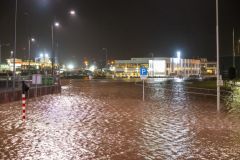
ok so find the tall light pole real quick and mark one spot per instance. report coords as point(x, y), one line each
point(106, 55)
point(55, 24)
point(30, 40)
point(15, 46)
point(217, 48)
point(239, 47)
point(234, 54)
point(1, 45)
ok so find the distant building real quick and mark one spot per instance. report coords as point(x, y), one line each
point(41, 63)
point(157, 67)
point(4, 67)
point(208, 68)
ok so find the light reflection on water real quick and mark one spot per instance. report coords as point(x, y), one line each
point(95, 120)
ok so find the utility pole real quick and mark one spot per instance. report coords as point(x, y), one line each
point(239, 47)
point(217, 47)
point(15, 48)
point(106, 55)
point(53, 54)
point(234, 54)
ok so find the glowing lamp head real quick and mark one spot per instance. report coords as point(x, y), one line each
point(70, 66)
point(178, 54)
point(92, 68)
point(41, 55)
point(32, 39)
point(72, 12)
point(56, 24)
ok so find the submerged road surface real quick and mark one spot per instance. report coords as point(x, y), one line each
point(108, 120)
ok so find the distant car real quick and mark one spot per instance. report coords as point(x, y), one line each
point(194, 77)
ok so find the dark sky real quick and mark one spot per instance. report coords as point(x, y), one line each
point(128, 28)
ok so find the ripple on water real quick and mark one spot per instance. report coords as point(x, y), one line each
point(94, 120)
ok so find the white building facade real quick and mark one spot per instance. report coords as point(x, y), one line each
point(157, 67)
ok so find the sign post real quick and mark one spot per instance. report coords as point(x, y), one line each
point(36, 79)
point(143, 76)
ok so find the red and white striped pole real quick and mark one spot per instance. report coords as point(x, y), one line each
point(23, 107)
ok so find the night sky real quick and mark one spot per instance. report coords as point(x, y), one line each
point(128, 28)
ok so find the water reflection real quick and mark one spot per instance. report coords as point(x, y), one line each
point(99, 120)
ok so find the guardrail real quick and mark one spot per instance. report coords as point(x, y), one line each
point(187, 90)
point(6, 82)
point(7, 96)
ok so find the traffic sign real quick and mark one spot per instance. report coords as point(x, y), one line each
point(36, 79)
point(143, 73)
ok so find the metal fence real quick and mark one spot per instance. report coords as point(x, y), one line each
point(6, 82)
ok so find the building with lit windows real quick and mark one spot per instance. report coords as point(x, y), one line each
point(208, 68)
point(157, 67)
point(42, 63)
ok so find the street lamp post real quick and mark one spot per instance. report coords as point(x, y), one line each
point(234, 54)
point(30, 40)
point(15, 46)
point(52, 29)
point(239, 47)
point(55, 24)
point(217, 48)
point(106, 55)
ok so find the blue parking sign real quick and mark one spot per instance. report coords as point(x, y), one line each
point(143, 71)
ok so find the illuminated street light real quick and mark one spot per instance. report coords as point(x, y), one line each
point(41, 55)
point(46, 55)
point(179, 61)
point(11, 54)
point(179, 54)
point(86, 63)
point(92, 68)
point(70, 66)
point(72, 12)
point(32, 39)
point(56, 24)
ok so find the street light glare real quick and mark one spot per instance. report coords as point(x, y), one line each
point(72, 12)
point(70, 66)
point(56, 24)
point(32, 39)
point(178, 54)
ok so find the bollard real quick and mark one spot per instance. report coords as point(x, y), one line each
point(23, 107)
point(25, 89)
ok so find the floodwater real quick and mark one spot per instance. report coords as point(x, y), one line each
point(103, 119)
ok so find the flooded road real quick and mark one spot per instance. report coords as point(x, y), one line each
point(108, 120)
